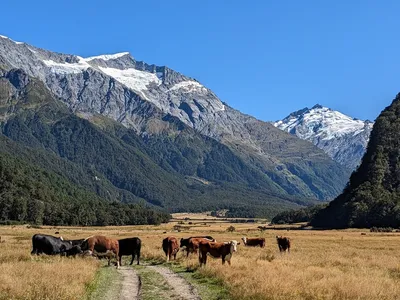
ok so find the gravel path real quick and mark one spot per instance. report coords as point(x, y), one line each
point(185, 290)
point(130, 284)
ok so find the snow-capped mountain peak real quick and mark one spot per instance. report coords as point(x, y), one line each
point(344, 138)
point(321, 122)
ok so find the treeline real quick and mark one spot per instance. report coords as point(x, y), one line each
point(305, 214)
point(32, 195)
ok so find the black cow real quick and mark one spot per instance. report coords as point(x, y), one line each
point(75, 242)
point(75, 250)
point(48, 244)
point(130, 246)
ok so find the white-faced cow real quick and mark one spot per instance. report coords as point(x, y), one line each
point(130, 246)
point(223, 250)
point(170, 246)
point(254, 242)
point(100, 245)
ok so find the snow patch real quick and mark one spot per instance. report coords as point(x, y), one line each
point(107, 56)
point(33, 51)
point(67, 68)
point(187, 87)
point(5, 37)
point(133, 79)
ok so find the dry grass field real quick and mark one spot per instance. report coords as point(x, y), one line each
point(322, 264)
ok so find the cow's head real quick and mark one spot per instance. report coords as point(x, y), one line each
point(234, 245)
point(244, 239)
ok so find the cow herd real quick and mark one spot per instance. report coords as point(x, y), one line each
point(104, 247)
point(204, 245)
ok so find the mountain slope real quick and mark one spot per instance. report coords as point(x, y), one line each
point(179, 171)
point(147, 99)
point(344, 139)
point(372, 197)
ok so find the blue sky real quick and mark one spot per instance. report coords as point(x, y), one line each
point(265, 58)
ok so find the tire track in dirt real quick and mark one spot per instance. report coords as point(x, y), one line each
point(182, 288)
point(131, 284)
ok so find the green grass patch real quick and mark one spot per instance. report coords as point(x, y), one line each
point(106, 285)
point(154, 286)
point(208, 287)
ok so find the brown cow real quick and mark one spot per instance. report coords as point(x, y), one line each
point(223, 250)
point(254, 242)
point(101, 246)
point(170, 246)
point(192, 243)
point(283, 243)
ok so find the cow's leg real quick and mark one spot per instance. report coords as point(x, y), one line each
point(120, 260)
point(116, 253)
point(133, 257)
point(138, 258)
point(223, 259)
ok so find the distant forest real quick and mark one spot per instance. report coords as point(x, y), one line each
point(29, 194)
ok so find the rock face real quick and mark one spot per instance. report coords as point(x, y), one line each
point(343, 138)
point(372, 197)
point(145, 97)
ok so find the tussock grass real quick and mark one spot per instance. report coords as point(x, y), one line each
point(23, 276)
point(337, 264)
point(322, 264)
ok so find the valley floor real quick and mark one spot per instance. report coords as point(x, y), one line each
point(336, 264)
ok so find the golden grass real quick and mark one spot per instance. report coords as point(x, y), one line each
point(23, 276)
point(322, 264)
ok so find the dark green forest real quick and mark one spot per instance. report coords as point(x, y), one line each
point(32, 195)
point(305, 214)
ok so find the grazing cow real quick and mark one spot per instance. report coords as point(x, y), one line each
point(223, 250)
point(130, 246)
point(75, 250)
point(192, 243)
point(170, 246)
point(254, 242)
point(100, 245)
point(76, 242)
point(283, 243)
point(48, 244)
